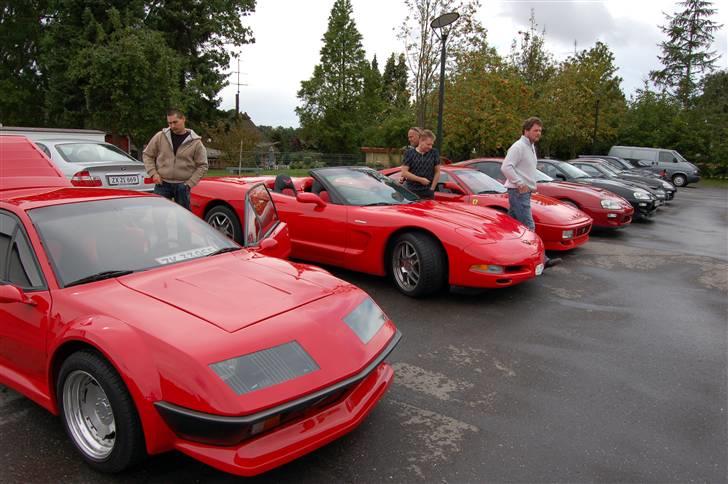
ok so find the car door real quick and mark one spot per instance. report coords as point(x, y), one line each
point(444, 194)
point(23, 324)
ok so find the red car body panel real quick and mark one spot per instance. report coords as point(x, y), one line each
point(586, 198)
point(162, 328)
point(551, 216)
point(357, 237)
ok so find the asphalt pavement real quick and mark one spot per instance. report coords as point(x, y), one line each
point(610, 367)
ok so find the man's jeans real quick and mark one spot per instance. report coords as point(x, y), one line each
point(520, 207)
point(179, 192)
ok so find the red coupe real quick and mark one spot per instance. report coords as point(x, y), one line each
point(146, 330)
point(560, 226)
point(606, 209)
point(358, 219)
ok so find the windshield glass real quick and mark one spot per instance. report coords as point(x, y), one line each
point(573, 171)
point(542, 177)
point(364, 186)
point(609, 170)
point(479, 182)
point(93, 152)
point(124, 234)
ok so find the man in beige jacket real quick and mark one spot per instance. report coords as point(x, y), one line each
point(176, 159)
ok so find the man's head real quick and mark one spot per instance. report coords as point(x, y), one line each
point(413, 136)
point(532, 128)
point(176, 121)
point(427, 138)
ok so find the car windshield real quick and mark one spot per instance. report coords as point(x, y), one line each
point(573, 171)
point(479, 182)
point(365, 187)
point(542, 177)
point(85, 240)
point(608, 169)
point(93, 152)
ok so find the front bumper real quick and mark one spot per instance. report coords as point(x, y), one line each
point(552, 235)
point(694, 178)
point(310, 422)
point(644, 208)
point(520, 258)
point(611, 219)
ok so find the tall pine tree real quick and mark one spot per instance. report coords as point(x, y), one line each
point(686, 55)
point(331, 113)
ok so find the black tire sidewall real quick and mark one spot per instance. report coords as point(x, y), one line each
point(129, 446)
point(230, 214)
point(679, 177)
point(430, 257)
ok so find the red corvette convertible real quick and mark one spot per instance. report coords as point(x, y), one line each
point(560, 226)
point(358, 219)
point(146, 330)
point(606, 209)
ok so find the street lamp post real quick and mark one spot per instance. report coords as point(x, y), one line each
point(440, 22)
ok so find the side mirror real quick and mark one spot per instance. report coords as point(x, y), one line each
point(13, 294)
point(268, 244)
point(559, 176)
point(306, 197)
point(454, 188)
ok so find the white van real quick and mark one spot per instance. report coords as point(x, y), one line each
point(678, 169)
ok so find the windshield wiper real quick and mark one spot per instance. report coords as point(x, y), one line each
point(99, 277)
point(376, 204)
point(223, 250)
point(484, 192)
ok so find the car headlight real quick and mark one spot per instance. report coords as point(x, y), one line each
point(567, 234)
point(365, 320)
point(642, 195)
point(487, 269)
point(610, 204)
point(264, 368)
point(667, 186)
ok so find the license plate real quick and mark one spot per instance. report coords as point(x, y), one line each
point(539, 269)
point(123, 180)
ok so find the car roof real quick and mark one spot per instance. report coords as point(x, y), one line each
point(34, 197)
point(25, 166)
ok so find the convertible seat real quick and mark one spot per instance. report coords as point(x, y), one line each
point(319, 190)
point(284, 185)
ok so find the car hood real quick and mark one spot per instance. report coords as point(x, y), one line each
point(233, 291)
point(552, 211)
point(485, 220)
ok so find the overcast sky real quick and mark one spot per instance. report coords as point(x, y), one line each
point(288, 41)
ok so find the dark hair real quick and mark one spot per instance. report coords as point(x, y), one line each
point(175, 112)
point(528, 124)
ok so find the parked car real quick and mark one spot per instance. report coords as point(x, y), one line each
point(560, 226)
point(620, 164)
point(95, 164)
point(679, 170)
point(147, 330)
point(606, 209)
point(643, 202)
point(600, 169)
point(358, 219)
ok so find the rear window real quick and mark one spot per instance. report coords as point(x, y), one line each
point(93, 152)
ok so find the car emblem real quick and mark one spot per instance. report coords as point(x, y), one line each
point(527, 242)
point(475, 201)
point(123, 169)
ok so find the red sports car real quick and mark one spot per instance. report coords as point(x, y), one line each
point(146, 330)
point(560, 226)
point(606, 209)
point(357, 218)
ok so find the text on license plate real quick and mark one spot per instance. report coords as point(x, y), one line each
point(123, 180)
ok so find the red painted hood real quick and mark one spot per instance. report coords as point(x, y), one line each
point(554, 212)
point(484, 219)
point(234, 291)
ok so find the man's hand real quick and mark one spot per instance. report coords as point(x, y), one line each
point(522, 188)
point(157, 179)
point(424, 181)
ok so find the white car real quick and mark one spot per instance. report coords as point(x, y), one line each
point(96, 164)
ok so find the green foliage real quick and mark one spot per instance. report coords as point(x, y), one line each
point(685, 55)
point(394, 84)
point(233, 138)
point(331, 113)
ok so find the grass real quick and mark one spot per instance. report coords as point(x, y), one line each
point(713, 182)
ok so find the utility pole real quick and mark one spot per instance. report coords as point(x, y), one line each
point(238, 84)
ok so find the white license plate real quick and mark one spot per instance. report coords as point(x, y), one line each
point(123, 180)
point(539, 269)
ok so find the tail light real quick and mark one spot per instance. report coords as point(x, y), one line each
point(148, 180)
point(85, 179)
point(663, 173)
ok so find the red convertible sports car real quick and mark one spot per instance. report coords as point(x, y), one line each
point(358, 219)
point(560, 226)
point(146, 330)
point(606, 209)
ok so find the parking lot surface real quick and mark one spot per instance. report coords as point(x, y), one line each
point(610, 367)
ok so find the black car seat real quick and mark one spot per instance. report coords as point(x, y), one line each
point(284, 185)
point(319, 190)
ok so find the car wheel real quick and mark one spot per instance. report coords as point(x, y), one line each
point(417, 264)
point(98, 413)
point(679, 180)
point(226, 222)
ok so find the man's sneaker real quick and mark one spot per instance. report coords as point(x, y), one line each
point(552, 262)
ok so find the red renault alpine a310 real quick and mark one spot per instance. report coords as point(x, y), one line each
point(358, 219)
point(146, 330)
point(560, 226)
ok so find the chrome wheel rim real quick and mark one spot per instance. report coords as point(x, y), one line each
point(223, 224)
point(89, 415)
point(406, 266)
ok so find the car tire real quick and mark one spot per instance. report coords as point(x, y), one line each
point(679, 180)
point(98, 413)
point(225, 221)
point(417, 264)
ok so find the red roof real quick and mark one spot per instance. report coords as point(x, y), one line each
point(23, 165)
